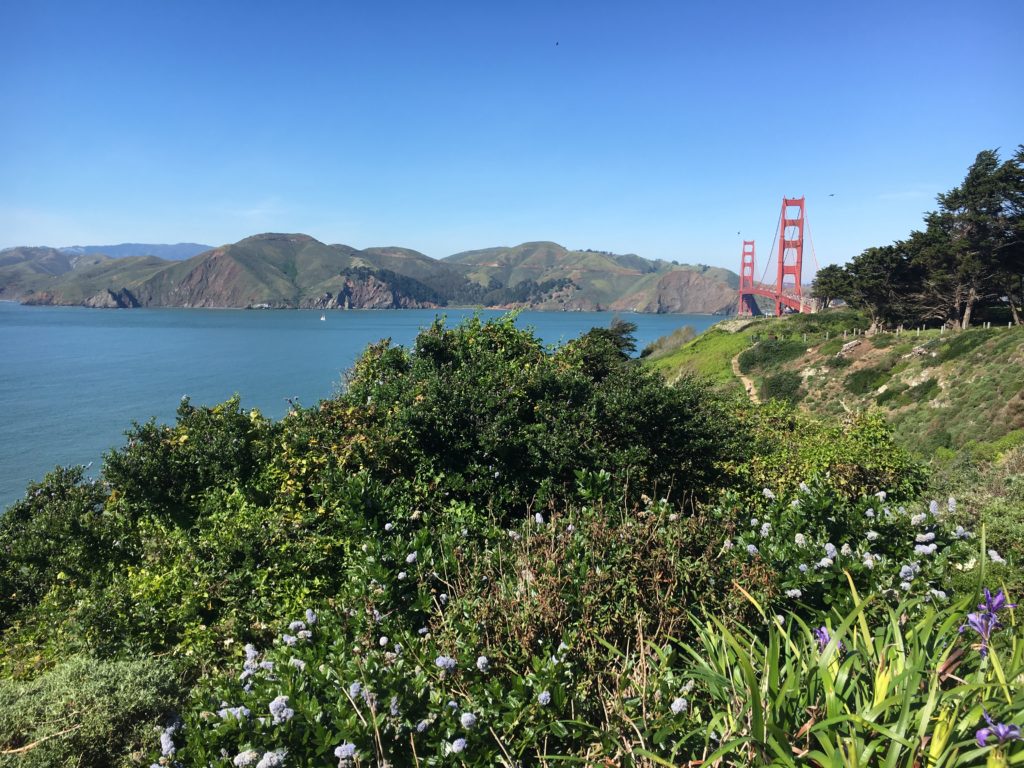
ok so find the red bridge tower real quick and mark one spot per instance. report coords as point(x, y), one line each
point(787, 293)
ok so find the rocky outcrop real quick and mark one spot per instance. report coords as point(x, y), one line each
point(109, 299)
point(366, 292)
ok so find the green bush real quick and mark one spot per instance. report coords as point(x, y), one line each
point(481, 411)
point(166, 470)
point(893, 394)
point(770, 353)
point(56, 532)
point(867, 380)
point(857, 453)
point(86, 712)
point(784, 386)
point(815, 539)
point(838, 362)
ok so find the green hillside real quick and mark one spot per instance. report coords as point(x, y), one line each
point(591, 279)
point(296, 270)
point(940, 391)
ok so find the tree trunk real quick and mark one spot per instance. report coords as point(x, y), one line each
point(972, 296)
point(1014, 310)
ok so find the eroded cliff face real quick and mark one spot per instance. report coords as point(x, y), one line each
point(122, 299)
point(365, 293)
point(217, 280)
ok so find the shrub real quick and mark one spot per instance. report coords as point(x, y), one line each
point(55, 532)
point(867, 380)
point(86, 711)
point(481, 411)
point(856, 453)
point(784, 386)
point(815, 539)
point(166, 470)
point(838, 362)
point(770, 353)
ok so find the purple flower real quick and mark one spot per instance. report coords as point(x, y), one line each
point(1003, 732)
point(821, 634)
point(273, 759)
point(468, 720)
point(483, 663)
point(985, 620)
point(280, 710)
point(296, 626)
point(355, 689)
point(679, 705)
point(167, 742)
point(458, 745)
point(311, 617)
point(447, 663)
point(544, 698)
point(984, 624)
point(995, 603)
point(346, 751)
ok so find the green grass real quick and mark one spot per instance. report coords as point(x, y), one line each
point(709, 355)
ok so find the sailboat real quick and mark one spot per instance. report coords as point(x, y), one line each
point(323, 315)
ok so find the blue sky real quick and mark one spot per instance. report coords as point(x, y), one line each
point(659, 128)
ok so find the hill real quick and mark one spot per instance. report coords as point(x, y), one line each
point(940, 391)
point(594, 280)
point(295, 270)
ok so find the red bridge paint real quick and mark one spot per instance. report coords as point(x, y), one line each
point(787, 294)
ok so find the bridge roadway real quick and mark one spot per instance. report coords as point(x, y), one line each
point(794, 302)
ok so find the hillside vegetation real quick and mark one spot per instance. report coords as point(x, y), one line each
point(485, 552)
point(939, 390)
point(295, 270)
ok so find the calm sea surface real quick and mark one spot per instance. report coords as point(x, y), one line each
point(73, 379)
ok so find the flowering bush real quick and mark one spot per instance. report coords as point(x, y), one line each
point(813, 536)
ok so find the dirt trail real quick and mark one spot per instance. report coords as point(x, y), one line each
point(748, 383)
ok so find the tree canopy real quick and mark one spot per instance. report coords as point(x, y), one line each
point(969, 258)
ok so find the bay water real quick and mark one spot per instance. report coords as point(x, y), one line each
point(72, 379)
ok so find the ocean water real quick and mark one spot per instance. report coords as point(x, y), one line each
point(72, 380)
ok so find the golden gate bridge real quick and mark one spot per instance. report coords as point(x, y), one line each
point(787, 291)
